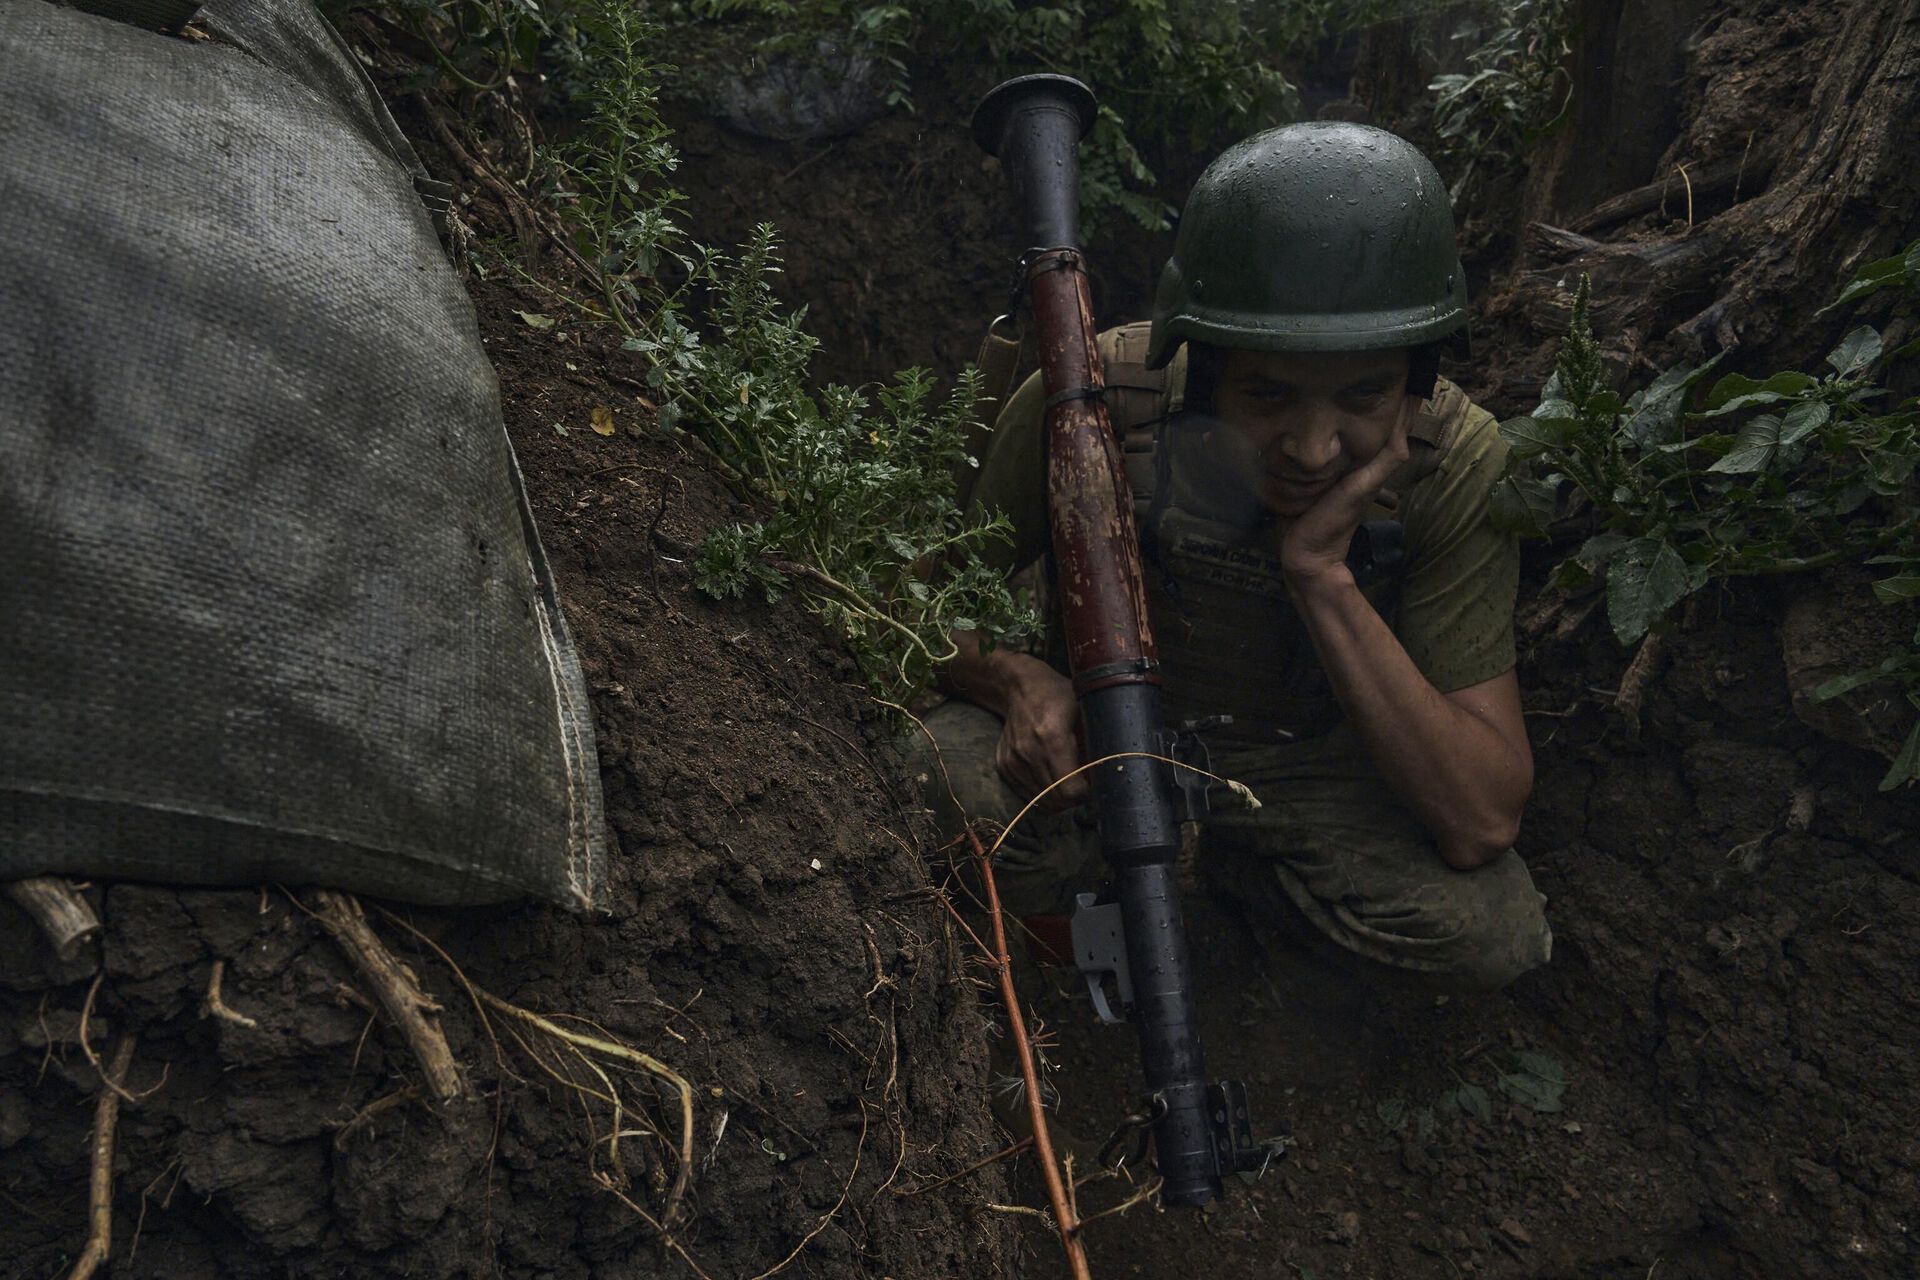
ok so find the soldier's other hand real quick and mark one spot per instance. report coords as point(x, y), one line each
point(1316, 541)
point(1039, 740)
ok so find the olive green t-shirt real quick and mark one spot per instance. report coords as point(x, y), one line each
point(1455, 609)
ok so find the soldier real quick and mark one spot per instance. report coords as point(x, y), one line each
point(1312, 504)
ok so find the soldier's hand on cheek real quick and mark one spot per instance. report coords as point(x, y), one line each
point(1317, 540)
point(1039, 742)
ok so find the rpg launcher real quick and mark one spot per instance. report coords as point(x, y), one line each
point(1134, 933)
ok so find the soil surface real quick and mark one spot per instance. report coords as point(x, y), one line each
point(770, 939)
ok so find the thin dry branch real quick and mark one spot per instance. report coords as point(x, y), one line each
point(114, 1082)
point(1057, 1196)
point(1005, 1153)
point(394, 985)
point(65, 918)
point(216, 1007)
point(106, 1116)
point(1063, 1215)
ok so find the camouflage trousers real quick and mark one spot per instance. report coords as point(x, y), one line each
point(1330, 858)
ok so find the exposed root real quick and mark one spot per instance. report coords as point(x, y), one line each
point(114, 1082)
point(394, 985)
point(1640, 672)
point(1005, 1153)
point(1145, 1193)
point(659, 1227)
point(215, 1007)
point(363, 1119)
point(828, 1216)
point(65, 918)
point(619, 1053)
point(106, 1115)
point(579, 1045)
point(1021, 1210)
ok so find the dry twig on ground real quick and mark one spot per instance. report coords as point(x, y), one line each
point(1063, 1215)
point(394, 985)
point(106, 1116)
point(64, 917)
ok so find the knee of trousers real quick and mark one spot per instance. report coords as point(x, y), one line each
point(1043, 859)
point(1482, 930)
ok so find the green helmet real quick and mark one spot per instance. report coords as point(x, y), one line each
point(1313, 237)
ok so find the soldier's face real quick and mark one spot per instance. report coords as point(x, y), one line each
point(1298, 421)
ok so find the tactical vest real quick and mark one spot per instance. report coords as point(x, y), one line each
point(1230, 640)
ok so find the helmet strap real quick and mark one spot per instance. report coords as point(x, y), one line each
point(1423, 370)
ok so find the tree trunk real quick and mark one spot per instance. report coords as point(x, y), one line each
point(1793, 166)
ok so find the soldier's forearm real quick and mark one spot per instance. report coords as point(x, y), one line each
point(1453, 768)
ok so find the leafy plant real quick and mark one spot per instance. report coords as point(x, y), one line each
point(1515, 87)
point(611, 178)
point(1784, 474)
point(863, 520)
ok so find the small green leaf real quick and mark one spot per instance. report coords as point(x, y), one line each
point(1803, 419)
point(1645, 578)
point(1532, 436)
point(1729, 387)
point(1753, 448)
point(1871, 278)
point(1597, 550)
point(1523, 505)
point(1856, 351)
point(1906, 765)
point(1834, 688)
point(1733, 392)
point(1656, 415)
point(1898, 589)
point(1473, 1100)
point(534, 320)
point(1888, 469)
point(1539, 1064)
point(1531, 1091)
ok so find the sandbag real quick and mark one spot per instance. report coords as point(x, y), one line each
point(272, 604)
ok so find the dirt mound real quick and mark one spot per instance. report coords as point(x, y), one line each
point(771, 941)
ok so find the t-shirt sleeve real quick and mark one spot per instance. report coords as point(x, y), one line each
point(1013, 478)
point(1456, 607)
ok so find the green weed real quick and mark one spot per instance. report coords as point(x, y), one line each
point(1514, 90)
point(863, 520)
point(1784, 474)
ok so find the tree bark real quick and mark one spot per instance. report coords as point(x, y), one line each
point(1743, 264)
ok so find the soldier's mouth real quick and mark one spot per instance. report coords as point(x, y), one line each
point(1296, 485)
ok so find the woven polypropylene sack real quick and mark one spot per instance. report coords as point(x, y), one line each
point(272, 606)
